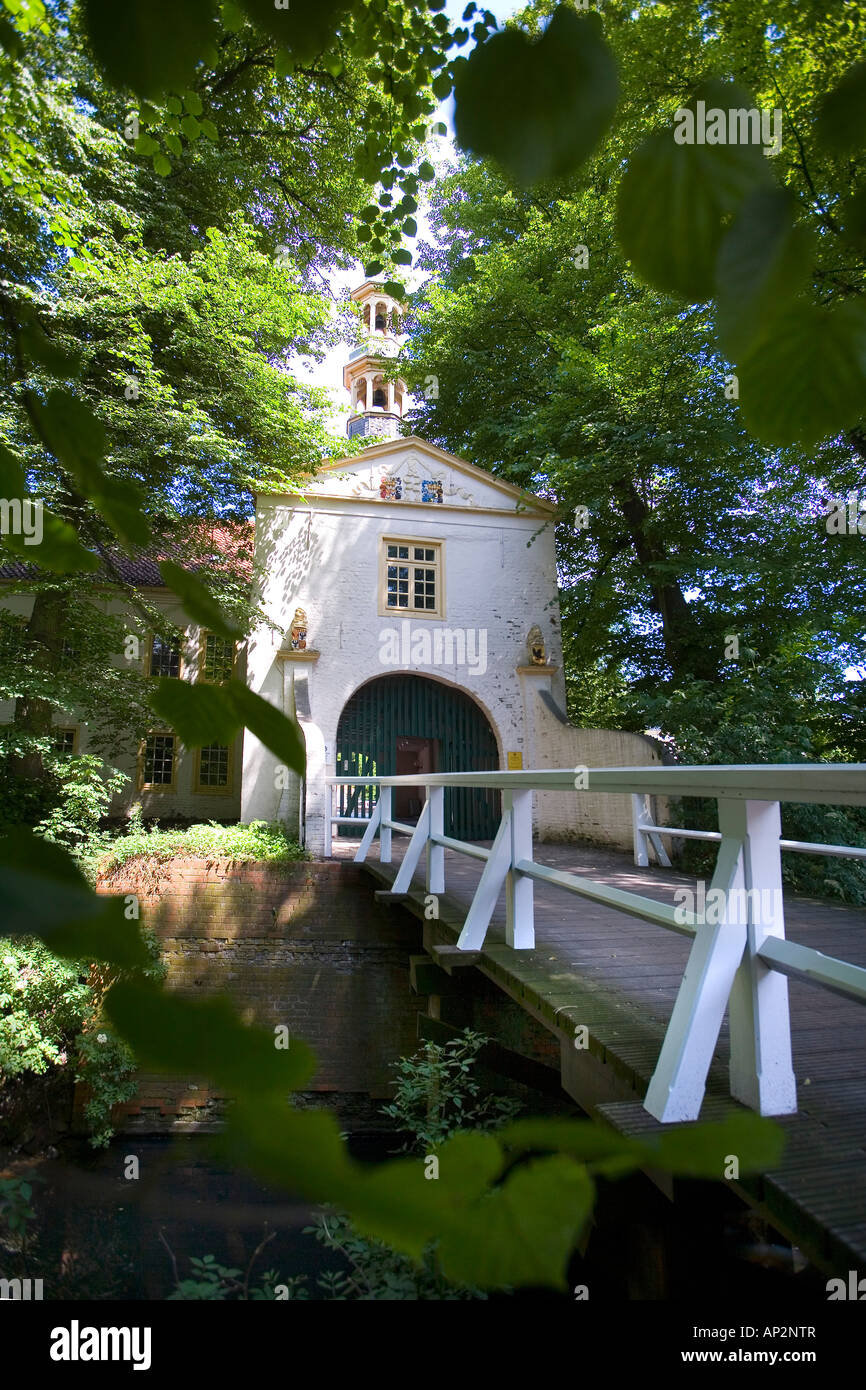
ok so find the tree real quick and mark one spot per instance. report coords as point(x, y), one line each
point(559, 368)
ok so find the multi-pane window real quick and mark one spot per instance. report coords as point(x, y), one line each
point(165, 656)
point(160, 756)
point(213, 768)
point(218, 658)
point(64, 742)
point(412, 577)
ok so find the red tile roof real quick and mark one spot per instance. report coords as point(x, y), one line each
point(194, 544)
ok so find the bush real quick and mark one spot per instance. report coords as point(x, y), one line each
point(83, 799)
point(50, 1016)
point(437, 1093)
point(257, 842)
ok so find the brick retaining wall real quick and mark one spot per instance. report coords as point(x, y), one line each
point(304, 945)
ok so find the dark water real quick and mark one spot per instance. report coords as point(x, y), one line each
point(102, 1236)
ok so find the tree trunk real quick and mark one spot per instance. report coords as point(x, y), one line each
point(686, 648)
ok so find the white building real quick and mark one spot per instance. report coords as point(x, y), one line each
point(428, 637)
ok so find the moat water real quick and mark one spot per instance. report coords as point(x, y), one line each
point(102, 1236)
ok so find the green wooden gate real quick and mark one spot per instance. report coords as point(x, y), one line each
point(403, 706)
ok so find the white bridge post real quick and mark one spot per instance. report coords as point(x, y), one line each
point(384, 830)
point(436, 853)
point(519, 894)
point(724, 952)
point(761, 1067)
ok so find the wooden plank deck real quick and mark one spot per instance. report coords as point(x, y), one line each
point(618, 976)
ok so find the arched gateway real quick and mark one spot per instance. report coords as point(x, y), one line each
point(401, 724)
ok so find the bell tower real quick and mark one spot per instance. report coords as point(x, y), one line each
point(377, 403)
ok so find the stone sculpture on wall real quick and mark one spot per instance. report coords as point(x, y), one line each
point(298, 631)
point(535, 647)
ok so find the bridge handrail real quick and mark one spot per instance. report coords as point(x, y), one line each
point(739, 958)
point(836, 783)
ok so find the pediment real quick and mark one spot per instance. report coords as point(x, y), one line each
point(409, 471)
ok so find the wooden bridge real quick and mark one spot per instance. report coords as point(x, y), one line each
point(669, 1003)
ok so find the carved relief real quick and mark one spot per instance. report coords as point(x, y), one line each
point(412, 480)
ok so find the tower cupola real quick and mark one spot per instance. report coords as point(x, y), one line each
point(377, 403)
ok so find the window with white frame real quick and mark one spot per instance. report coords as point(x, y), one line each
point(159, 762)
point(412, 580)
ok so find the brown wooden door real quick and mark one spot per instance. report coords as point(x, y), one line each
point(413, 755)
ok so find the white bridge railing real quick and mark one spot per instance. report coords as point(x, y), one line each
point(739, 957)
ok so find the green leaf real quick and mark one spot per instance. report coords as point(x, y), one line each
point(44, 894)
point(203, 714)
point(808, 381)
point(151, 46)
point(284, 63)
point(232, 18)
point(277, 732)
point(410, 227)
point(842, 118)
point(854, 219)
point(192, 102)
point(373, 269)
point(174, 105)
point(209, 130)
point(13, 481)
point(395, 289)
point(204, 1037)
point(426, 171)
point(581, 1138)
point(701, 1150)
point(162, 165)
point(524, 1231)
point(191, 128)
point(398, 1204)
point(764, 263)
point(146, 145)
point(198, 601)
point(200, 713)
point(305, 26)
point(77, 438)
point(402, 257)
point(173, 143)
point(59, 549)
point(37, 348)
point(568, 89)
point(675, 200)
point(10, 39)
point(300, 1150)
